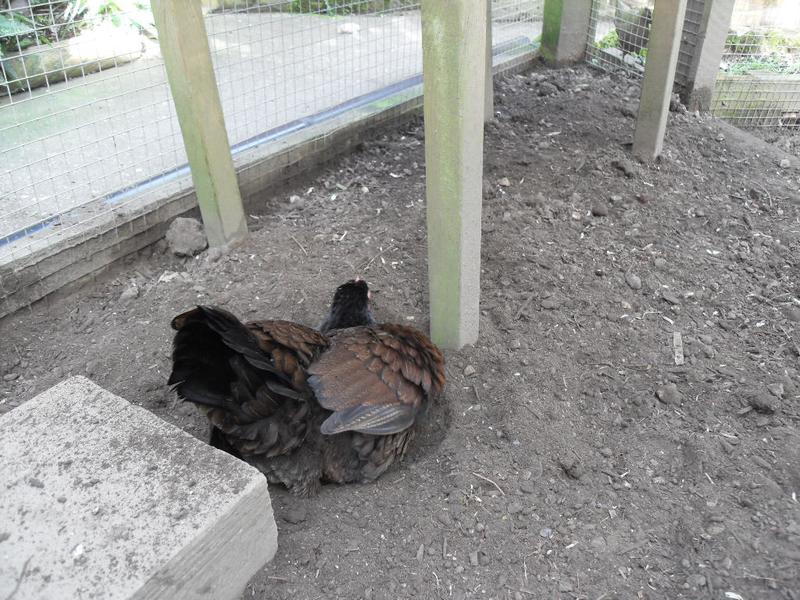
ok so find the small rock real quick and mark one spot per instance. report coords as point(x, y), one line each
point(35, 482)
point(469, 371)
point(549, 304)
point(660, 262)
point(628, 110)
point(546, 533)
point(297, 202)
point(421, 552)
point(670, 297)
point(763, 403)
point(625, 166)
point(295, 515)
point(720, 137)
point(10, 376)
point(669, 394)
point(785, 163)
point(444, 518)
point(129, 293)
point(57, 373)
point(503, 182)
point(506, 217)
point(646, 198)
point(573, 468)
point(606, 452)
point(186, 237)
point(793, 314)
point(697, 581)
point(600, 210)
point(349, 28)
point(483, 558)
point(633, 281)
point(473, 558)
point(527, 487)
point(776, 389)
point(547, 89)
point(564, 586)
point(514, 508)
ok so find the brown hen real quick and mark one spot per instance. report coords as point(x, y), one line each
point(303, 406)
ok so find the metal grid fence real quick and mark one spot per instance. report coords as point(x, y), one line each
point(759, 81)
point(88, 130)
point(618, 35)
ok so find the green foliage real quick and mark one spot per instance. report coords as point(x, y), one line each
point(45, 21)
point(768, 51)
point(609, 40)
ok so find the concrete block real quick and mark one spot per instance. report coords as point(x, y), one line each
point(102, 499)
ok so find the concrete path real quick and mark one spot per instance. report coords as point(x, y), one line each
point(102, 499)
point(86, 139)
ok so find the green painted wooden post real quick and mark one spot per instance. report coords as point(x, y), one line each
point(454, 57)
point(187, 57)
point(659, 77)
point(488, 102)
point(565, 29)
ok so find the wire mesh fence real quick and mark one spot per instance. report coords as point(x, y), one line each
point(618, 35)
point(759, 81)
point(88, 131)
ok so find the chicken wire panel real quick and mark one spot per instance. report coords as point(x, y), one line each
point(85, 111)
point(618, 35)
point(283, 65)
point(759, 80)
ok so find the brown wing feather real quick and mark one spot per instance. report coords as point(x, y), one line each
point(376, 379)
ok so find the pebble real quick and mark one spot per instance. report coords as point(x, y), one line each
point(606, 452)
point(129, 293)
point(504, 182)
point(600, 210)
point(527, 487)
point(564, 586)
point(473, 558)
point(514, 508)
point(186, 237)
point(633, 281)
point(776, 389)
point(697, 580)
point(10, 376)
point(469, 371)
point(785, 163)
point(706, 339)
point(546, 533)
point(669, 394)
point(295, 515)
point(670, 297)
point(549, 304)
point(763, 403)
point(645, 198)
point(547, 89)
point(506, 216)
point(625, 166)
point(660, 262)
point(793, 314)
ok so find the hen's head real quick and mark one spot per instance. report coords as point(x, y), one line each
point(350, 306)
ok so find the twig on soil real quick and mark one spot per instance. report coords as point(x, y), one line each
point(477, 395)
point(283, 579)
point(299, 244)
point(19, 579)
point(499, 489)
point(377, 256)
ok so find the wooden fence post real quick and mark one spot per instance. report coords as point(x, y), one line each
point(454, 61)
point(659, 76)
point(187, 57)
point(488, 102)
point(708, 53)
point(565, 30)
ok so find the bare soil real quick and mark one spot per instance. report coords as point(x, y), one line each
point(572, 457)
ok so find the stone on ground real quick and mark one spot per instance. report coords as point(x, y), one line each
point(186, 237)
point(102, 499)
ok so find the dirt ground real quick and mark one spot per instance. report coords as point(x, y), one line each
point(572, 457)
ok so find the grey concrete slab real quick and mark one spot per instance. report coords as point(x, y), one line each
point(102, 499)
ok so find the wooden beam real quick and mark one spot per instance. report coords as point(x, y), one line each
point(659, 76)
point(488, 102)
point(708, 52)
point(454, 58)
point(187, 57)
point(565, 30)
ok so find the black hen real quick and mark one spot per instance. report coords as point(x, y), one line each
point(301, 406)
